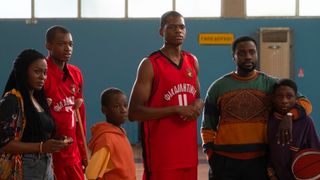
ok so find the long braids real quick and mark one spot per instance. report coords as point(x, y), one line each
point(18, 80)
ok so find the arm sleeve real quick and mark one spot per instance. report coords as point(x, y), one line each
point(304, 107)
point(9, 110)
point(210, 120)
point(99, 164)
point(312, 139)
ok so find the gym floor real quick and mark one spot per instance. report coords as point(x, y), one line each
point(202, 166)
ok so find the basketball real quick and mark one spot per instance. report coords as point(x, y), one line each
point(306, 165)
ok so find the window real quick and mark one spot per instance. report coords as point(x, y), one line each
point(271, 7)
point(15, 9)
point(148, 8)
point(56, 8)
point(199, 8)
point(22, 9)
point(103, 8)
point(309, 8)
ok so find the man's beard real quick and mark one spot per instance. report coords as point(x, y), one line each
point(247, 70)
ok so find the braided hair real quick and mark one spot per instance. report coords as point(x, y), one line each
point(18, 80)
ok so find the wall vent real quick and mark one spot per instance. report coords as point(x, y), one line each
point(276, 51)
point(274, 36)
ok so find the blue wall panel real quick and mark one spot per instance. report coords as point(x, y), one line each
point(109, 52)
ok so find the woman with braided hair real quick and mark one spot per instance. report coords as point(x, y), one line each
point(26, 126)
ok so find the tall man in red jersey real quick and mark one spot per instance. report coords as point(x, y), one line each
point(165, 99)
point(63, 86)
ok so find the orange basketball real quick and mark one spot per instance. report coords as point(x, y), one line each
point(306, 165)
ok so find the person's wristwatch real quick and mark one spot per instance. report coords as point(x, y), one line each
point(289, 114)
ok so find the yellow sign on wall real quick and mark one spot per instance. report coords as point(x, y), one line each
point(216, 38)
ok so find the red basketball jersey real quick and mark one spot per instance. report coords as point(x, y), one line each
point(171, 142)
point(63, 94)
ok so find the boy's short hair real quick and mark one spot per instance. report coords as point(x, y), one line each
point(107, 94)
point(51, 32)
point(164, 17)
point(285, 82)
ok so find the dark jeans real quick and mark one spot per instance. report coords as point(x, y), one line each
point(37, 167)
point(225, 168)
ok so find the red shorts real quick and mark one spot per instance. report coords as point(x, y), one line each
point(174, 174)
point(74, 172)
